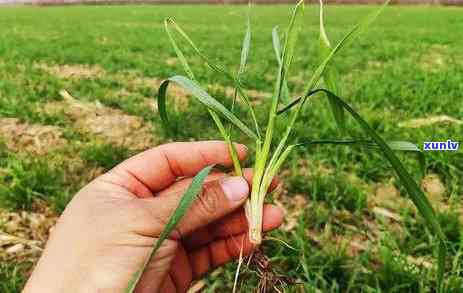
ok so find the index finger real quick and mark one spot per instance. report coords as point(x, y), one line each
point(159, 167)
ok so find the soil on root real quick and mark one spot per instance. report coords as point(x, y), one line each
point(269, 280)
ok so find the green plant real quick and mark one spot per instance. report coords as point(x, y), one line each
point(268, 157)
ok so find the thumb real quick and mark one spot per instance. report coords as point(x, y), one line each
point(216, 199)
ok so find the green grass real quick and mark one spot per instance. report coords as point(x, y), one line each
point(403, 67)
point(104, 155)
point(27, 178)
point(11, 277)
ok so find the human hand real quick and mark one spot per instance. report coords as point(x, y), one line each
point(108, 229)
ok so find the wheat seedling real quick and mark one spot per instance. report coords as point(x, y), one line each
point(269, 158)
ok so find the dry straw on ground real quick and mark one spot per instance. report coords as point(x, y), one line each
point(33, 138)
point(23, 234)
point(111, 125)
point(72, 71)
point(431, 120)
point(433, 60)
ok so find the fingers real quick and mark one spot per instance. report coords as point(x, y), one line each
point(237, 223)
point(222, 250)
point(182, 185)
point(216, 199)
point(218, 253)
point(159, 167)
point(233, 224)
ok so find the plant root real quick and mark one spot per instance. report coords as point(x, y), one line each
point(269, 280)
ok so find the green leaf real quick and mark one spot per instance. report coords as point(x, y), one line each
point(330, 75)
point(287, 57)
point(185, 202)
point(349, 37)
point(314, 81)
point(403, 146)
point(416, 194)
point(246, 45)
point(277, 48)
point(244, 58)
point(217, 68)
point(177, 50)
point(276, 44)
point(203, 97)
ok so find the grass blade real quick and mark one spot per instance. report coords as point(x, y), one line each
point(178, 52)
point(403, 146)
point(349, 37)
point(246, 45)
point(416, 194)
point(286, 60)
point(317, 76)
point(187, 199)
point(217, 68)
point(203, 97)
point(277, 48)
point(330, 75)
point(244, 58)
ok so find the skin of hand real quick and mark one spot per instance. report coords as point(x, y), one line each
point(108, 229)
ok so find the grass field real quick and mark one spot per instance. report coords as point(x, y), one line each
point(346, 218)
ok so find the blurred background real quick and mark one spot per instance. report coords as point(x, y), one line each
point(64, 2)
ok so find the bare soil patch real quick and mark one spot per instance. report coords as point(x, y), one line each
point(133, 81)
point(72, 71)
point(435, 190)
point(434, 59)
point(431, 120)
point(171, 61)
point(33, 138)
point(293, 207)
point(109, 124)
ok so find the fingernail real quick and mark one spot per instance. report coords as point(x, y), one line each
point(235, 188)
